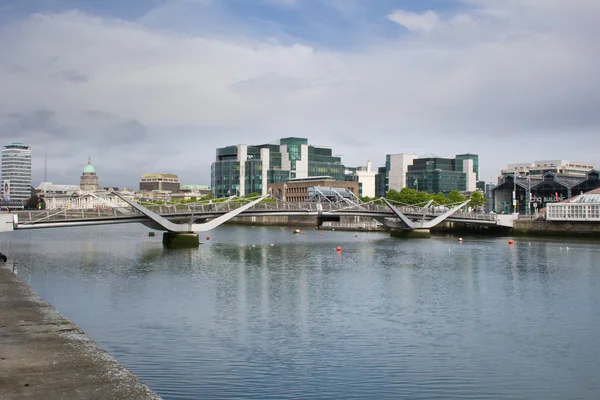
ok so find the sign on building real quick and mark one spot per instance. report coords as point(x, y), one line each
point(6, 190)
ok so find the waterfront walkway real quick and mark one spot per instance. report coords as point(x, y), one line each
point(43, 355)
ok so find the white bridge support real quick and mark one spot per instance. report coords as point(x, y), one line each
point(190, 226)
point(184, 235)
point(419, 228)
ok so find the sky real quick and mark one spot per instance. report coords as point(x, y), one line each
point(148, 86)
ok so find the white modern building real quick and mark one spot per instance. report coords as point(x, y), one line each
point(366, 180)
point(16, 173)
point(397, 165)
point(469, 170)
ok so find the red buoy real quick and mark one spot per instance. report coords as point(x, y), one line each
point(320, 233)
point(208, 238)
point(511, 241)
point(339, 248)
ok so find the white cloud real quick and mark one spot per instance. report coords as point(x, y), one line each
point(511, 89)
point(416, 22)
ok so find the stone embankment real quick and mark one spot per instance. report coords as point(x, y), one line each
point(43, 355)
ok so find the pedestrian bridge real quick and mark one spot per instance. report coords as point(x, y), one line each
point(205, 216)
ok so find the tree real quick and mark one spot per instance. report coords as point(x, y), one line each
point(393, 195)
point(455, 197)
point(35, 203)
point(478, 200)
point(439, 198)
point(408, 196)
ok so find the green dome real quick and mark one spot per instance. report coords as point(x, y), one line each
point(89, 168)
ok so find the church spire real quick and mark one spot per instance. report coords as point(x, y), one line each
point(89, 160)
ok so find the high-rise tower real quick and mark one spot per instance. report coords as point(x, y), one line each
point(16, 173)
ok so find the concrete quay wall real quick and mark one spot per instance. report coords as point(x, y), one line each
point(556, 228)
point(43, 355)
point(356, 223)
point(276, 220)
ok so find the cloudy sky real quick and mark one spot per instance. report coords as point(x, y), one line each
point(156, 85)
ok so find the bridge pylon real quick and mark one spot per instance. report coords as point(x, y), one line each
point(408, 228)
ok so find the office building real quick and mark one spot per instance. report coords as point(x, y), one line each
point(160, 182)
point(562, 168)
point(396, 168)
point(316, 188)
point(365, 177)
point(435, 174)
point(16, 175)
point(243, 169)
point(381, 182)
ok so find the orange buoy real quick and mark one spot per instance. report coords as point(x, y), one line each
point(208, 238)
point(511, 241)
point(339, 248)
point(320, 233)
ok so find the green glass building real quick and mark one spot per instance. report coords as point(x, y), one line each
point(435, 174)
point(242, 169)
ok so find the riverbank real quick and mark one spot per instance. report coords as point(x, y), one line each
point(43, 355)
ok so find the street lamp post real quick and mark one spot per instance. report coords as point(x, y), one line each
point(528, 194)
point(515, 194)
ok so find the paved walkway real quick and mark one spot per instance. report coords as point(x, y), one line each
point(45, 356)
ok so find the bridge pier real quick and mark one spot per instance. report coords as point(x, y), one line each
point(180, 240)
point(419, 233)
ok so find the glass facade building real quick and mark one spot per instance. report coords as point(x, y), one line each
point(459, 164)
point(435, 175)
point(381, 182)
point(242, 169)
point(16, 173)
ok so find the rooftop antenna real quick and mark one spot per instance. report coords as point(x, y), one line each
point(46, 161)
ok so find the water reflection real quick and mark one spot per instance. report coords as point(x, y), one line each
point(262, 313)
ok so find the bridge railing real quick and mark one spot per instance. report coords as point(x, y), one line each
point(267, 206)
point(25, 217)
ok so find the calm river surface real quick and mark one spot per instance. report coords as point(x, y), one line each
point(261, 313)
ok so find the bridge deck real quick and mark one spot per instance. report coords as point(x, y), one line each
point(49, 218)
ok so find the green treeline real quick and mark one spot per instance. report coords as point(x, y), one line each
point(412, 197)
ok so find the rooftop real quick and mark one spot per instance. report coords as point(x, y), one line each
point(16, 145)
point(197, 187)
point(149, 176)
point(312, 178)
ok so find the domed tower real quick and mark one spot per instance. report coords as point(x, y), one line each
point(89, 179)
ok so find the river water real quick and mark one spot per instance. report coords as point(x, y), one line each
point(261, 313)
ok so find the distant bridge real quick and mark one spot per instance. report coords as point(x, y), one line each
point(204, 216)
